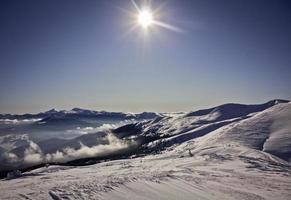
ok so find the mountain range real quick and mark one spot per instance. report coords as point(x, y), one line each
point(225, 148)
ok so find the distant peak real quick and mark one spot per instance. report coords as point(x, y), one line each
point(52, 111)
point(277, 101)
point(77, 109)
point(81, 110)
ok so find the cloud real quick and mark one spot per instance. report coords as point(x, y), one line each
point(114, 145)
point(102, 128)
point(11, 157)
point(18, 121)
point(34, 155)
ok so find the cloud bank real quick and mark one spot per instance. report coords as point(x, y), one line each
point(33, 154)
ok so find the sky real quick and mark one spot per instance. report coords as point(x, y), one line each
point(85, 53)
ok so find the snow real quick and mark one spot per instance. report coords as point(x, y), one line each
point(206, 155)
point(153, 177)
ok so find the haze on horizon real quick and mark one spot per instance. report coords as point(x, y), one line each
point(69, 53)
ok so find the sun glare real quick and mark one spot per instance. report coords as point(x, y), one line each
point(145, 18)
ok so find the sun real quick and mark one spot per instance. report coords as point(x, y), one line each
point(148, 18)
point(145, 18)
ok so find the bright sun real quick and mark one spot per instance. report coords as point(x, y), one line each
point(145, 18)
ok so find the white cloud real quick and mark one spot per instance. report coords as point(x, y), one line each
point(114, 144)
point(34, 155)
point(18, 121)
point(102, 128)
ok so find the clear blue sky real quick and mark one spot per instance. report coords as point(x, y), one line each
point(80, 53)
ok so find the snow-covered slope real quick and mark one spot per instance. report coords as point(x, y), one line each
point(231, 151)
point(263, 127)
point(267, 131)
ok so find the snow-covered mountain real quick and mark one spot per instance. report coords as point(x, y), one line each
point(79, 113)
point(258, 121)
point(239, 151)
point(61, 124)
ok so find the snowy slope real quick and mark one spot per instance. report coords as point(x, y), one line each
point(177, 176)
point(267, 131)
point(231, 151)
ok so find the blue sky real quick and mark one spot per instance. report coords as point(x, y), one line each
point(69, 53)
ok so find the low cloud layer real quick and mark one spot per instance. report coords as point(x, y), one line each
point(67, 154)
point(34, 155)
point(18, 121)
point(102, 128)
